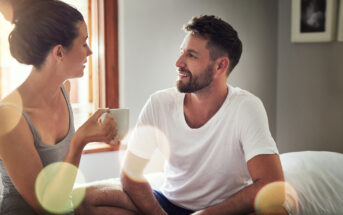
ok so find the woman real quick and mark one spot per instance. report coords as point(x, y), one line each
point(51, 36)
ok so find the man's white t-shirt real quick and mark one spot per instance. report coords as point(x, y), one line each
point(207, 165)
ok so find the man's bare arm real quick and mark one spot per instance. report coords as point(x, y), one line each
point(264, 169)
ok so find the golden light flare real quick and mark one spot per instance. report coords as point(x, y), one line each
point(54, 187)
point(10, 112)
point(155, 149)
point(273, 197)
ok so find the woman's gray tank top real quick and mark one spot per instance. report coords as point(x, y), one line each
point(12, 202)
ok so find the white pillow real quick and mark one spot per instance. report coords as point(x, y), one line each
point(317, 178)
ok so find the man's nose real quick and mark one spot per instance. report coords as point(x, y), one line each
point(180, 62)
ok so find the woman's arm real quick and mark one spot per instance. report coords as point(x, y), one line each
point(20, 157)
point(137, 187)
point(23, 163)
point(62, 183)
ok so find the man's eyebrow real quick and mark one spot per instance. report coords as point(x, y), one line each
point(190, 50)
point(86, 37)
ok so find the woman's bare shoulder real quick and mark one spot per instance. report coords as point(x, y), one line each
point(14, 129)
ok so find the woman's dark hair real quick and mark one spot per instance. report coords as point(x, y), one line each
point(41, 27)
point(222, 38)
point(19, 6)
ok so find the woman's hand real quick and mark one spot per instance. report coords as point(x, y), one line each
point(93, 130)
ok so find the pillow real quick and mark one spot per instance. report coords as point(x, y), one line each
point(317, 177)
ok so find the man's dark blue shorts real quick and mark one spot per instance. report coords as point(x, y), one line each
point(169, 207)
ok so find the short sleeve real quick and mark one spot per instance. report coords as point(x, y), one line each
point(254, 129)
point(142, 140)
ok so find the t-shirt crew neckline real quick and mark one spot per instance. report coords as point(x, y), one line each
point(210, 121)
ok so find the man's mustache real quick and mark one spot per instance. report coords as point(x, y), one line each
point(184, 70)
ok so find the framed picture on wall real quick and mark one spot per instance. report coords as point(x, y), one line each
point(340, 22)
point(313, 20)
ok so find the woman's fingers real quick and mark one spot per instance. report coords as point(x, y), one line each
point(110, 129)
point(100, 111)
point(105, 131)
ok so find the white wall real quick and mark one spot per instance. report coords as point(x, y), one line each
point(309, 91)
point(150, 34)
point(99, 166)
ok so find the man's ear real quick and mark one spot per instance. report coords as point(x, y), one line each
point(58, 53)
point(222, 65)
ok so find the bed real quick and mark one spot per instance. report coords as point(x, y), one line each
point(316, 176)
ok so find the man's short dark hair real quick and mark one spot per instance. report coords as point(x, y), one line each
point(222, 37)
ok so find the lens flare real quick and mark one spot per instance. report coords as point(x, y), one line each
point(143, 142)
point(275, 198)
point(10, 112)
point(54, 187)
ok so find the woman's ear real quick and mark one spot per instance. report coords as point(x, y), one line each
point(58, 53)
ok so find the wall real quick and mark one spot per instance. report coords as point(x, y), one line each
point(99, 166)
point(309, 91)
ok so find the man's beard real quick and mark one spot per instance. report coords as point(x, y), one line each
point(196, 82)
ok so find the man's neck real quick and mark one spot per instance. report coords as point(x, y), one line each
point(202, 105)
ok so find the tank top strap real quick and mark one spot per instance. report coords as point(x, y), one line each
point(36, 136)
point(66, 97)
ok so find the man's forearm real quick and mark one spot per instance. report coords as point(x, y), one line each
point(242, 203)
point(142, 196)
point(264, 169)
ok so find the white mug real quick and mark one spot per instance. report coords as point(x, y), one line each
point(121, 116)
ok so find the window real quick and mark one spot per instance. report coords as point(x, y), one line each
point(12, 74)
point(104, 43)
point(80, 95)
point(99, 85)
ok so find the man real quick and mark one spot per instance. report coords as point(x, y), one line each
point(221, 152)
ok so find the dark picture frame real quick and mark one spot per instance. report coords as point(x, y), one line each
point(313, 20)
point(340, 23)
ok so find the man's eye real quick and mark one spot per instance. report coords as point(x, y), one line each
point(191, 55)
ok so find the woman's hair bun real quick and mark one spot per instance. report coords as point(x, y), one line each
point(21, 6)
point(41, 27)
